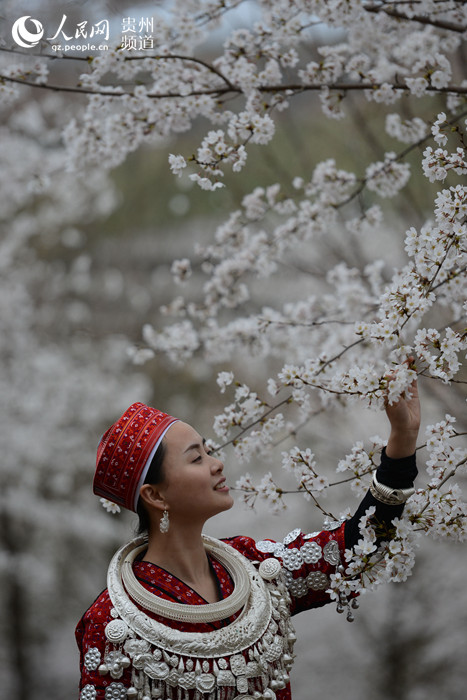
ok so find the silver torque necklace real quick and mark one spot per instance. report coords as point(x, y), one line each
point(210, 612)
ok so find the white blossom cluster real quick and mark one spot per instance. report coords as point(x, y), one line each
point(388, 177)
point(140, 98)
point(267, 490)
point(302, 464)
point(344, 326)
point(439, 510)
point(440, 354)
point(246, 408)
point(359, 463)
point(437, 163)
point(407, 130)
point(371, 563)
point(355, 341)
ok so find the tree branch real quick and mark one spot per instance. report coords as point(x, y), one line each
point(400, 156)
point(292, 87)
point(421, 19)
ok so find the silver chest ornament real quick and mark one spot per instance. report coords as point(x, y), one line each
point(248, 659)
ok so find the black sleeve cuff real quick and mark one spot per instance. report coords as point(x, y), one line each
point(397, 473)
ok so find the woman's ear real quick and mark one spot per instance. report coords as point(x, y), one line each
point(152, 497)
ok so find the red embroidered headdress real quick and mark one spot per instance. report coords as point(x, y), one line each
point(125, 453)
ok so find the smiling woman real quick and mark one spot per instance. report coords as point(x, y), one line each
point(194, 487)
point(189, 617)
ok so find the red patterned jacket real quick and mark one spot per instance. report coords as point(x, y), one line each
point(308, 560)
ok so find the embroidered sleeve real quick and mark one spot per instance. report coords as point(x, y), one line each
point(307, 560)
point(104, 672)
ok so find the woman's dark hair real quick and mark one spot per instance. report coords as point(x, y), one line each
point(155, 475)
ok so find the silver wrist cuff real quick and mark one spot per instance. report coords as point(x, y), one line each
point(388, 495)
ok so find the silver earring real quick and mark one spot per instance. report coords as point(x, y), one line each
point(164, 523)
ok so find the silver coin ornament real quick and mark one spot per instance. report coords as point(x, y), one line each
point(116, 631)
point(269, 569)
point(205, 682)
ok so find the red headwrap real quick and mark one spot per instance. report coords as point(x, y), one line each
point(125, 453)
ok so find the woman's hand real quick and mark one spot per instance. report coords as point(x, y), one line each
point(404, 417)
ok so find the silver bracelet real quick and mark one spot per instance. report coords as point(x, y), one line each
point(388, 495)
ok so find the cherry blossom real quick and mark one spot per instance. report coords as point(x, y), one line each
point(290, 281)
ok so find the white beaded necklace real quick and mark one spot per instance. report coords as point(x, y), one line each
point(210, 612)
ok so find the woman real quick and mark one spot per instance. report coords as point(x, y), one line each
point(188, 617)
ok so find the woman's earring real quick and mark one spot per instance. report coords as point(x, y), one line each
point(164, 523)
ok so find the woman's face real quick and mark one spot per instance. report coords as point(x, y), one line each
point(194, 485)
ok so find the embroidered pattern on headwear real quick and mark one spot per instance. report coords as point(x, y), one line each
point(124, 451)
